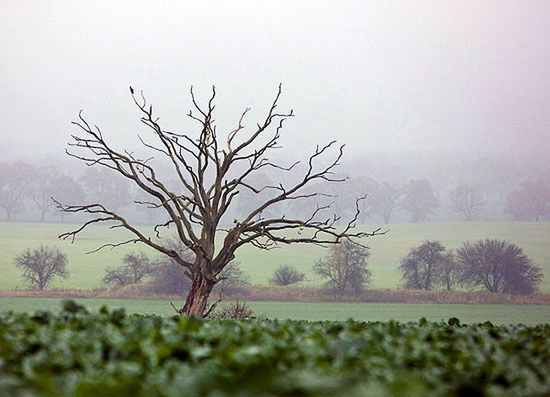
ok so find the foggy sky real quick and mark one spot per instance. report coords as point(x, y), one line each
point(377, 75)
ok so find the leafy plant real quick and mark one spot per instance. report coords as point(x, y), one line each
point(76, 353)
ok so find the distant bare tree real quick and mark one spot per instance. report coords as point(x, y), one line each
point(42, 188)
point(498, 266)
point(354, 187)
point(212, 170)
point(41, 265)
point(151, 212)
point(345, 267)
point(66, 189)
point(530, 202)
point(286, 275)
point(302, 208)
point(15, 179)
point(136, 266)
point(467, 200)
point(419, 200)
point(341, 197)
point(103, 186)
point(421, 267)
point(248, 199)
point(386, 200)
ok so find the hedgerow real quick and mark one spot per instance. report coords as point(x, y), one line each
point(111, 353)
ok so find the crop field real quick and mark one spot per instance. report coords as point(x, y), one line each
point(319, 311)
point(86, 271)
point(77, 353)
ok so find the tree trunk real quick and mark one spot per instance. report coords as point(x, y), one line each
point(197, 299)
point(42, 215)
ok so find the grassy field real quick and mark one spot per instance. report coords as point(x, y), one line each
point(497, 314)
point(87, 270)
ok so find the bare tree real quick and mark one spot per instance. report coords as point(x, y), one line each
point(43, 188)
point(345, 267)
point(353, 188)
point(386, 200)
point(498, 266)
point(152, 214)
point(136, 267)
point(212, 170)
point(421, 267)
point(14, 186)
point(467, 200)
point(286, 275)
point(41, 265)
point(66, 190)
point(248, 200)
point(419, 200)
point(530, 202)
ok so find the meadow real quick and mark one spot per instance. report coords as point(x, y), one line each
point(86, 271)
point(318, 311)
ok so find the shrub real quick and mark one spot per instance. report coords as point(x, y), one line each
point(234, 311)
point(169, 277)
point(136, 267)
point(286, 275)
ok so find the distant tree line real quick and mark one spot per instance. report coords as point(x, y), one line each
point(419, 201)
point(29, 189)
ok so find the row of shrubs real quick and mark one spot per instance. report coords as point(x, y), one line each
point(490, 265)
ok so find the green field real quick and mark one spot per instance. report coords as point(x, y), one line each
point(75, 353)
point(318, 311)
point(87, 270)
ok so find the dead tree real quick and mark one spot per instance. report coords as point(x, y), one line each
point(211, 170)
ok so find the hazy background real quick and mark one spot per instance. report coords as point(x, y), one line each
point(468, 79)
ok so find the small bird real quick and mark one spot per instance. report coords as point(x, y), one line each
point(131, 90)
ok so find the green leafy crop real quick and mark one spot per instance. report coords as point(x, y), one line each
point(110, 353)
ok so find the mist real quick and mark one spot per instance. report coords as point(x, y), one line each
point(468, 79)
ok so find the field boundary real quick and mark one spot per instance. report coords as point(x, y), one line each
point(301, 294)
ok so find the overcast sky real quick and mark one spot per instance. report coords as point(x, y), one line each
point(377, 75)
